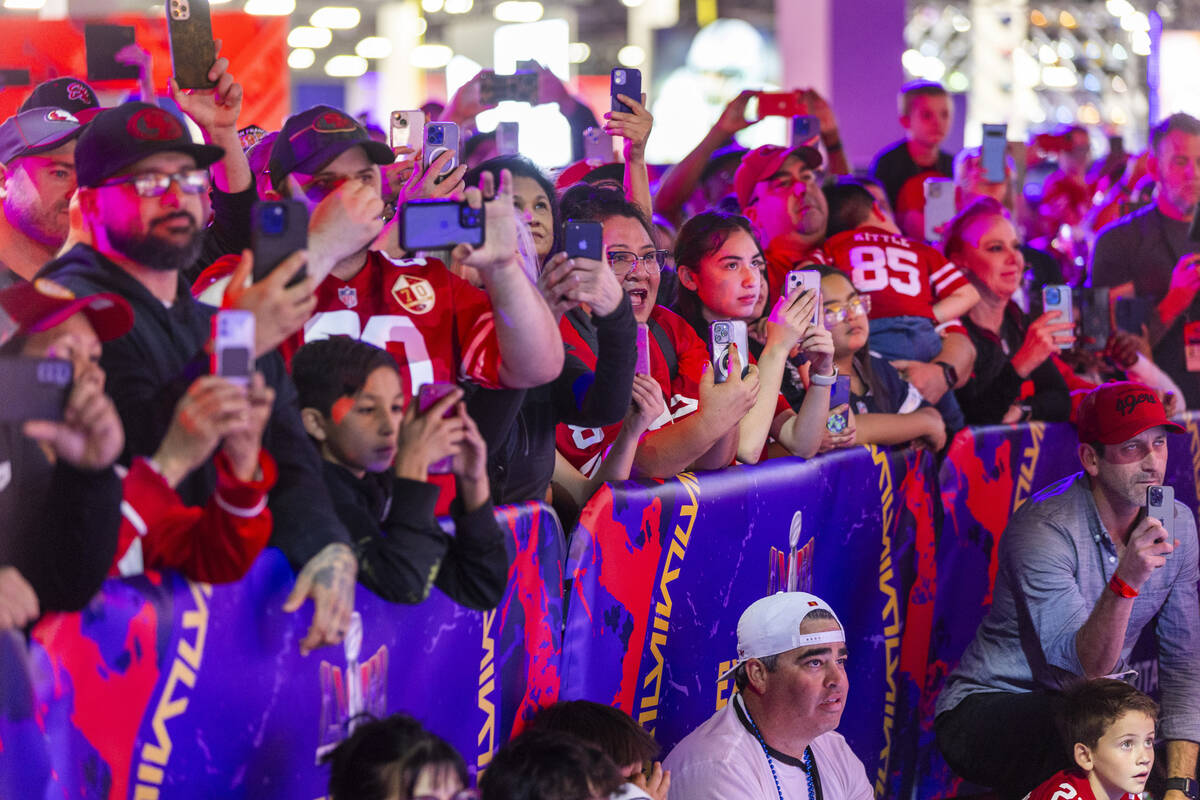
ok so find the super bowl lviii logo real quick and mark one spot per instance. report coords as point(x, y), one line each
point(787, 571)
point(348, 695)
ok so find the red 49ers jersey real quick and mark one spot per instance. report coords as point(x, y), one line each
point(904, 278)
point(1070, 784)
point(438, 327)
point(585, 448)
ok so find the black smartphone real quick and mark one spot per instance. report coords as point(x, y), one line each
point(584, 240)
point(1160, 504)
point(193, 51)
point(33, 388)
point(439, 225)
point(279, 228)
point(839, 396)
point(1132, 313)
point(627, 82)
point(520, 87)
point(102, 42)
point(1094, 321)
point(14, 77)
point(991, 152)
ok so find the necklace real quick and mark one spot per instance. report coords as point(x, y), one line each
point(808, 759)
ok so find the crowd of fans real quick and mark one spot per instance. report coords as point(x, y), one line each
point(122, 240)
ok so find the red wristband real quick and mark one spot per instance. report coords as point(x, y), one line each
point(1120, 588)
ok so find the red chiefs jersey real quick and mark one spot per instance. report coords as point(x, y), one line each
point(585, 448)
point(903, 277)
point(1070, 784)
point(438, 327)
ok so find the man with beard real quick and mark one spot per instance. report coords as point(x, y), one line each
point(141, 182)
point(37, 179)
point(1083, 570)
point(1152, 250)
point(780, 193)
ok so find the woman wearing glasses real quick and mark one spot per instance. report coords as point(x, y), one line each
point(699, 427)
point(721, 277)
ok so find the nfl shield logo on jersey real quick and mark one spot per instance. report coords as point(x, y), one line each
point(349, 296)
point(415, 295)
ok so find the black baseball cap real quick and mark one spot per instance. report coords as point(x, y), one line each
point(36, 131)
point(69, 94)
point(311, 139)
point(120, 136)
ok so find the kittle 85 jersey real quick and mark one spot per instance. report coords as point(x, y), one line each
point(585, 448)
point(904, 278)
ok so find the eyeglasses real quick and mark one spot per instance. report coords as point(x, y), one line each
point(840, 312)
point(623, 262)
point(155, 184)
point(465, 794)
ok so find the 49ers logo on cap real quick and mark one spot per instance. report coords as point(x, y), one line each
point(77, 91)
point(154, 125)
point(333, 122)
point(416, 295)
point(59, 115)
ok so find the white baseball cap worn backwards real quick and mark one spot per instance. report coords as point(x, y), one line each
point(772, 625)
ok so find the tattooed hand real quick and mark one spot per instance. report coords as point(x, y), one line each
point(328, 578)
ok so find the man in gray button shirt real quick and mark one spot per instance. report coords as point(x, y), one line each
point(1082, 570)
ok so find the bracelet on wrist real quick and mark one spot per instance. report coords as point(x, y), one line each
point(833, 148)
point(1121, 589)
point(824, 380)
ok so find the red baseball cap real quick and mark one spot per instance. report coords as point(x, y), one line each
point(582, 172)
point(763, 162)
point(1116, 412)
point(42, 304)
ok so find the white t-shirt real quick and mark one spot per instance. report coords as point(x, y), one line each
point(722, 760)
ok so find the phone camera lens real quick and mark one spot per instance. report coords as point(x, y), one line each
point(1052, 296)
point(436, 136)
point(619, 76)
point(274, 220)
point(1155, 496)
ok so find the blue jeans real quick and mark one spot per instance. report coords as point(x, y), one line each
point(915, 339)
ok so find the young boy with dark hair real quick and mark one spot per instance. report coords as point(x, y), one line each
point(377, 455)
point(1109, 726)
point(925, 115)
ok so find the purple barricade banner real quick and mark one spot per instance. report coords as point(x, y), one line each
point(167, 686)
point(662, 571)
point(988, 474)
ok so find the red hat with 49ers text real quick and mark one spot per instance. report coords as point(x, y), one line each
point(1118, 411)
point(121, 136)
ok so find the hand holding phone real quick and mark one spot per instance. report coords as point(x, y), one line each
point(939, 206)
